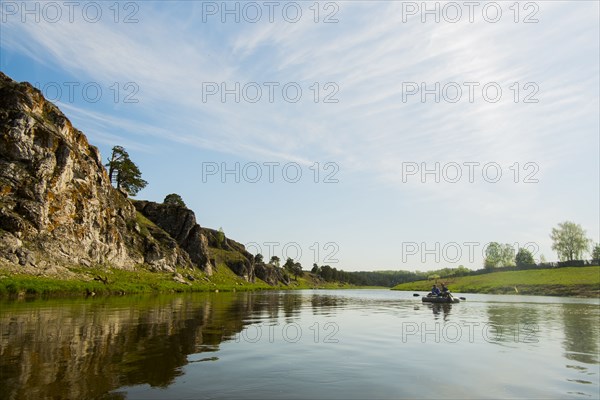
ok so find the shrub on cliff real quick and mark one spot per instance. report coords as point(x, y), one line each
point(175, 200)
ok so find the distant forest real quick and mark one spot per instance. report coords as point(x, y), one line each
point(393, 278)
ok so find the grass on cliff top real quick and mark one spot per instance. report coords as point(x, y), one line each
point(569, 281)
point(143, 223)
point(223, 256)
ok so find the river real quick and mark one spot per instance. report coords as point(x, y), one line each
point(313, 344)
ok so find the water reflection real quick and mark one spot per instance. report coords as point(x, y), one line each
point(442, 309)
point(84, 349)
point(324, 304)
point(581, 334)
point(90, 348)
point(513, 323)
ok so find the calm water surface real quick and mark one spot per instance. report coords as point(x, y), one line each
point(346, 344)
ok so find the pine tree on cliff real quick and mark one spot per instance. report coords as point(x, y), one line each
point(123, 172)
point(175, 200)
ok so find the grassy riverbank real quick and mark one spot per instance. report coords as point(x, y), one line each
point(569, 281)
point(107, 281)
point(110, 281)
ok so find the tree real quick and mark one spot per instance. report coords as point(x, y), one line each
point(275, 261)
point(326, 272)
point(289, 265)
point(462, 271)
point(569, 241)
point(315, 269)
point(297, 270)
point(258, 258)
point(499, 255)
point(596, 252)
point(220, 238)
point(524, 257)
point(117, 157)
point(493, 255)
point(508, 256)
point(175, 200)
point(123, 172)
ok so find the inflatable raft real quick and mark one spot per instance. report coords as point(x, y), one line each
point(439, 299)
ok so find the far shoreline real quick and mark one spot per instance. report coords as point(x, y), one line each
point(561, 282)
point(582, 282)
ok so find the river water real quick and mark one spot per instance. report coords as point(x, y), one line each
point(313, 344)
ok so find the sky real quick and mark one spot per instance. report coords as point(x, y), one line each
point(367, 135)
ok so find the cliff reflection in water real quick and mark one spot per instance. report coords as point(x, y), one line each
point(171, 347)
point(84, 349)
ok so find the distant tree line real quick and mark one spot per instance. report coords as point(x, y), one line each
point(383, 278)
point(569, 240)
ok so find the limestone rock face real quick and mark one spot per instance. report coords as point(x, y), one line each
point(271, 274)
point(59, 209)
point(54, 191)
point(57, 206)
point(180, 223)
point(243, 264)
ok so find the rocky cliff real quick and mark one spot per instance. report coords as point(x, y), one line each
point(58, 208)
point(180, 223)
point(240, 261)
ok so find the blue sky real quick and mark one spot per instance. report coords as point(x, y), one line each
point(373, 130)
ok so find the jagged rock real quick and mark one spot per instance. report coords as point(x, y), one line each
point(56, 197)
point(85, 262)
point(180, 223)
point(271, 274)
point(59, 209)
point(53, 187)
point(242, 266)
point(9, 244)
point(179, 279)
point(25, 257)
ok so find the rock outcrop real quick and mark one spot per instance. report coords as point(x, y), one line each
point(239, 260)
point(243, 263)
point(271, 274)
point(180, 223)
point(57, 206)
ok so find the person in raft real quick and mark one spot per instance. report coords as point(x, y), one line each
point(435, 291)
point(445, 291)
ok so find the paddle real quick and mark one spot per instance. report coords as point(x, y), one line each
point(416, 294)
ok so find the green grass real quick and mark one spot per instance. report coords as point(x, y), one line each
point(222, 256)
point(569, 281)
point(143, 223)
point(120, 281)
point(140, 281)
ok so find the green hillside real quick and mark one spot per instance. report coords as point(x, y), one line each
point(569, 281)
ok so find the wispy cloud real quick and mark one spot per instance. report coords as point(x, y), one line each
point(368, 55)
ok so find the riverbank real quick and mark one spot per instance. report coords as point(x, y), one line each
point(569, 281)
point(111, 281)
